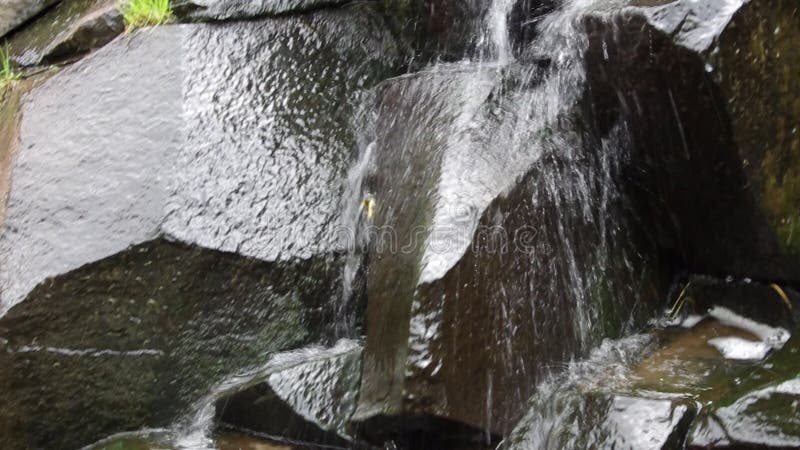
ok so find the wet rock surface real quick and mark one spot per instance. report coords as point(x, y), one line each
point(130, 341)
point(204, 168)
point(68, 30)
point(88, 187)
point(274, 191)
point(14, 13)
point(706, 89)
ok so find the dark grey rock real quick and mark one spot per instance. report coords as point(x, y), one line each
point(14, 13)
point(766, 419)
point(68, 30)
point(269, 136)
point(86, 181)
point(760, 412)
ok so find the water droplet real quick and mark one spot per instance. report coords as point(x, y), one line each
point(709, 68)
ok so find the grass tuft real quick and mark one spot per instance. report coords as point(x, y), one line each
point(8, 76)
point(145, 13)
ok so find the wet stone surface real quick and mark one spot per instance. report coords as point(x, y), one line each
point(672, 389)
point(494, 224)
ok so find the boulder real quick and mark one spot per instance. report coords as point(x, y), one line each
point(68, 30)
point(14, 13)
point(709, 92)
point(495, 255)
point(172, 217)
point(765, 419)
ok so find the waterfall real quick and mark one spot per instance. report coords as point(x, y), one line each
point(355, 211)
point(497, 30)
point(499, 144)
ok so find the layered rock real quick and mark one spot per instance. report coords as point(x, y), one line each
point(172, 217)
point(709, 92)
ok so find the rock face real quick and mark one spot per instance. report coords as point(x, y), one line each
point(172, 217)
point(492, 258)
point(15, 12)
point(710, 93)
point(69, 29)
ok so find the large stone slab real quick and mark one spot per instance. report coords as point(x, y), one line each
point(493, 257)
point(709, 92)
point(223, 136)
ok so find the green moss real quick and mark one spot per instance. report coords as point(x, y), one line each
point(8, 75)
